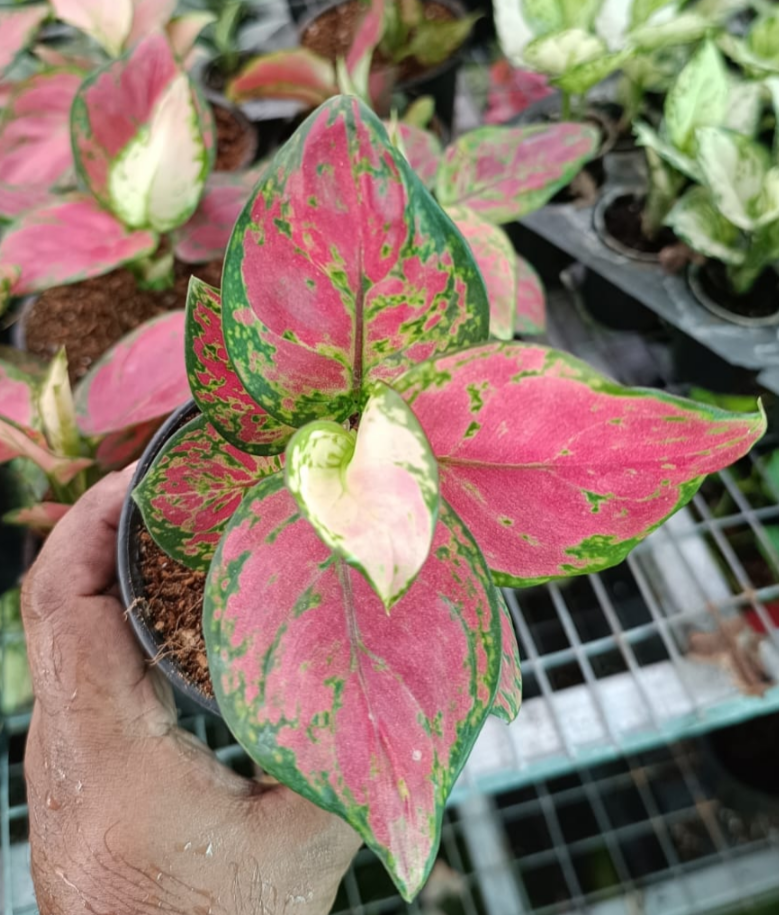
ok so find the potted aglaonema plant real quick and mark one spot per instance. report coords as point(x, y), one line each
point(363, 469)
point(118, 29)
point(142, 140)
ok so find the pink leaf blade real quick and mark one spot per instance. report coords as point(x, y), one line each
point(511, 91)
point(149, 16)
point(555, 469)
point(107, 21)
point(504, 173)
point(531, 300)
point(380, 722)
point(216, 387)
point(18, 393)
point(42, 517)
point(16, 441)
point(141, 378)
point(343, 271)
point(205, 236)
point(366, 39)
point(118, 449)
point(17, 28)
point(193, 488)
point(35, 150)
point(298, 75)
point(495, 256)
point(183, 31)
point(508, 698)
point(371, 497)
point(423, 151)
point(140, 137)
point(67, 241)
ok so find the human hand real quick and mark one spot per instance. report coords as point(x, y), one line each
point(128, 813)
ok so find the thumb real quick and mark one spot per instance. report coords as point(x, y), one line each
point(75, 632)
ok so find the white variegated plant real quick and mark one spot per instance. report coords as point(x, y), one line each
point(733, 215)
point(757, 53)
point(704, 94)
point(578, 44)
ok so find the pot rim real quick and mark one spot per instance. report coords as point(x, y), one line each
point(693, 276)
point(599, 224)
point(454, 5)
point(127, 569)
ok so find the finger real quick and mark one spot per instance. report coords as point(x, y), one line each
point(78, 639)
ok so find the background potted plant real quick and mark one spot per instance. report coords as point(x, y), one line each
point(143, 145)
point(361, 682)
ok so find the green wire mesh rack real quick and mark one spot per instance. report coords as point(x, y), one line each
point(585, 805)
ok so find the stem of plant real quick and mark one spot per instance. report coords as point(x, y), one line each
point(565, 105)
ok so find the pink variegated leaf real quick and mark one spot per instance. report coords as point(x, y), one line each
point(531, 300)
point(216, 387)
point(504, 173)
point(366, 39)
point(107, 21)
point(342, 271)
point(495, 256)
point(17, 28)
point(35, 153)
point(350, 707)
point(19, 386)
point(149, 16)
point(15, 201)
point(16, 441)
point(6, 91)
point(140, 138)
point(372, 496)
point(204, 237)
point(512, 90)
point(118, 449)
point(193, 489)
point(141, 378)
point(555, 469)
point(183, 32)
point(68, 241)
point(41, 517)
point(423, 151)
point(298, 74)
point(508, 698)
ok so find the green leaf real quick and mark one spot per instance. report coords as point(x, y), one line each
point(696, 220)
point(434, 41)
point(56, 409)
point(698, 98)
point(559, 52)
point(420, 112)
point(543, 16)
point(683, 29)
point(736, 170)
point(763, 39)
point(580, 79)
point(745, 106)
point(649, 137)
point(371, 497)
point(579, 14)
point(15, 681)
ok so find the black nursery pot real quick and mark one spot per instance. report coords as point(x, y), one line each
point(757, 308)
point(129, 568)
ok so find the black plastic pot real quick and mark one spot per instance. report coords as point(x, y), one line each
point(696, 364)
point(129, 572)
point(613, 308)
point(219, 101)
point(695, 280)
point(548, 260)
point(440, 82)
point(599, 224)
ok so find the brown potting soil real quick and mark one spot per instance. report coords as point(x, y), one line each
point(87, 318)
point(623, 222)
point(331, 35)
point(234, 140)
point(174, 611)
point(761, 300)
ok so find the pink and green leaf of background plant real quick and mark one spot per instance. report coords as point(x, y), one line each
point(41, 517)
point(504, 173)
point(216, 387)
point(366, 40)
point(298, 74)
point(345, 704)
point(115, 24)
point(65, 242)
point(517, 301)
point(371, 496)
point(17, 29)
point(205, 235)
point(142, 137)
point(20, 379)
point(555, 469)
point(36, 159)
point(423, 151)
point(343, 271)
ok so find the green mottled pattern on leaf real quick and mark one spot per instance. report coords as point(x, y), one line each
point(699, 97)
point(193, 488)
point(508, 698)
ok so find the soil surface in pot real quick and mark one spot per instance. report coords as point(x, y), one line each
point(750, 752)
point(234, 140)
point(623, 223)
point(332, 33)
point(761, 301)
point(87, 318)
point(174, 611)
